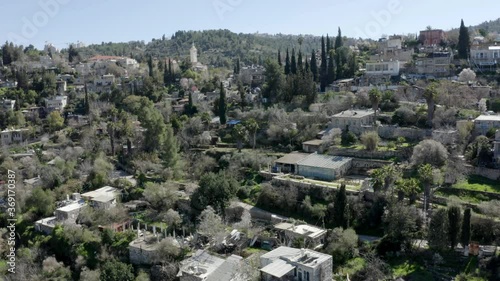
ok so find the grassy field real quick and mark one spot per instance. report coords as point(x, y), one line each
point(478, 183)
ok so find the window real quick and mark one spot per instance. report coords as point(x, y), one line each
point(307, 275)
point(300, 276)
point(295, 272)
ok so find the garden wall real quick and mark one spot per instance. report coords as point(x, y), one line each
point(393, 132)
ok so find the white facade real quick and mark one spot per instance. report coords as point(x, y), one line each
point(285, 263)
point(105, 80)
point(193, 55)
point(485, 56)
point(484, 123)
point(13, 136)
point(56, 103)
point(383, 67)
point(8, 104)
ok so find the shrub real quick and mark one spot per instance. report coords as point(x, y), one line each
point(370, 140)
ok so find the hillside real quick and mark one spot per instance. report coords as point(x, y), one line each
point(215, 47)
point(492, 26)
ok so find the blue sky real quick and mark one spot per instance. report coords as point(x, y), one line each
point(93, 21)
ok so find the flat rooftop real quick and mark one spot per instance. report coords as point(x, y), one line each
point(292, 158)
point(488, 118)
point(201, 265)
point(72, 207)
point(313, 142)
point(304, 257)
point(354, 114)
point(303, 229)
point(103, 191)
point(324, 161)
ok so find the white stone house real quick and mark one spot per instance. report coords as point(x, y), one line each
point(285, 263)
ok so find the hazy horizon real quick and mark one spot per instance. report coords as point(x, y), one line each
point(61, 22)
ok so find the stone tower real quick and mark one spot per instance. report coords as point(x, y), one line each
point(194, 55)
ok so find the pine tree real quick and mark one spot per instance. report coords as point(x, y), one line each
point(287, 63)
point(454, 219)
point(314, 66)
point(463, 42)
point(222, 105)
point(323, 72)
point(279, 57)
point(338, 40)
point(331, 68)
point(465, 234)
point(339, 207)
point(293, 66)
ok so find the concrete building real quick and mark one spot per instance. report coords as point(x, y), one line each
point(252, 75)
point(315, 145)
point(144, 249)
point(61, 86)
point(484, 123)
point(8, 104)
point(203, 266)
point(437, 64)
point(66, 214)
point(70, 212)
point(383, 68)
point(324, 167)
point(432, 37)
point(10, 136)
point(285, 263)
point(289, 162)
point(313, 237)
point(357, 120)
point(57, 103)
point(102, 198)
point(485, 57)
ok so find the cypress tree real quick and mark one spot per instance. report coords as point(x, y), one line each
point(293, 67)
point(323, 72)
point(150, 66)
point(237, 67)
point(463, 42)
point(328, 44)
point(465, 237)
point(287, 63)
point(338, 40)
point(222, 105)
point(331, 68)
point(300, 66)
point(170, 148)
point(279, 57)
point(339, 208)
point(314, 66)
point(307, 68)
point(166, 73)
point(454, 220)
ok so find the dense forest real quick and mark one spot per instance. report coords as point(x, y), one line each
point(215, 47)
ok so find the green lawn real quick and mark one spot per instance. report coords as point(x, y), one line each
point(478, 183)
point(352, 266)
point(402, 267)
